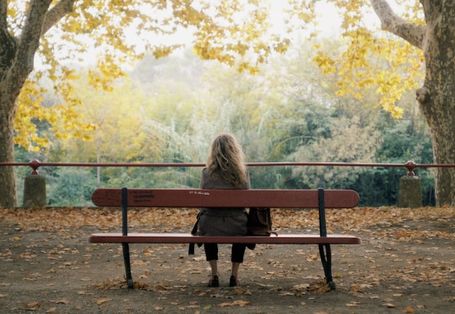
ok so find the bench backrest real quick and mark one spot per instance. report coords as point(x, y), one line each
point(194, 198)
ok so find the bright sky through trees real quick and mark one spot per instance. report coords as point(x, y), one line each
point(327, 24)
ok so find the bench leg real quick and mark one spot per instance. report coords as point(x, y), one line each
point(326, 259)
point(126, 261)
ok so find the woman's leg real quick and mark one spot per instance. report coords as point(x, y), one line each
point(211, 255)
point(235, 269)
point(237, 254)
point(214, 267)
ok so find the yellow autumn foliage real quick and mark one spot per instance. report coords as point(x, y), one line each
point(388, 66)
point(235, 32)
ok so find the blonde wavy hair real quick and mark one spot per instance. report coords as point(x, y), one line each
point(226, 157)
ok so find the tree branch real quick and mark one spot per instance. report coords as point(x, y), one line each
point(58, 11)
point(8, 43)
point(3, 13)
point(394, 24)
point(28, 43)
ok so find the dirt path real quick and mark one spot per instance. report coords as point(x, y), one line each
point(405, 264)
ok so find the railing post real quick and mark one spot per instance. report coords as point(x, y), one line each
point(34, 164)
point(410, 165)
point(410, 193)
point(34, 188)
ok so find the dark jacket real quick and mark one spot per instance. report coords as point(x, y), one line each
point(221, 221)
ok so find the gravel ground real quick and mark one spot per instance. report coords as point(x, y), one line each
point(405, 264)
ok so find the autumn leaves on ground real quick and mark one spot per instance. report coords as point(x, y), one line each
point(404, 265)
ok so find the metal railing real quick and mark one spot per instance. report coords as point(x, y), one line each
point(35, 165)
point(409, 165)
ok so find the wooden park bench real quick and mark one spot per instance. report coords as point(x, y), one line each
point(196, 198)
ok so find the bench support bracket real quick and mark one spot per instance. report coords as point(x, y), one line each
point(324, 249)
point(326, 260)
point(125, 246)
point(126, 261)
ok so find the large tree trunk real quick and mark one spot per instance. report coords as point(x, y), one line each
point(16, 63)
point(444, 150)
point(9, 91)
point(7, 109)
point(438, 106)
point(437, 96)
point(7, 178)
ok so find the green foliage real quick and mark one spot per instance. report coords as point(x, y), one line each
point(70, 186)
point(402, 141)
point(150, 177)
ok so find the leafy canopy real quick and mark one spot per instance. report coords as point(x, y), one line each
point(237, 32)
point(373, 60)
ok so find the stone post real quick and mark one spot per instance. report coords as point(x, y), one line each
point(410, 192)
point(34, 191)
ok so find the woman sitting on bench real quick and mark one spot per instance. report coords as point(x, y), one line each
point(225, 170)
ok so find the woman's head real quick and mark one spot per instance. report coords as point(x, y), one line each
point(226, 157)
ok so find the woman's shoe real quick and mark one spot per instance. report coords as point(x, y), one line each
point(233, 282)
point(214, 282)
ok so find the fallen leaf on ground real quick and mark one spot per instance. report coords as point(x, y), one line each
point(160, 288)
point(360, 287)
point(240, 291)
point(33, 306)
point(102, 300)
point(319, 287)
point(240, 303)
point(390, 305)
point(287, 293)
point(140, 285)
point(409, 310)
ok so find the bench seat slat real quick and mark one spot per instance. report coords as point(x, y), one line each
point(188, 238)
point(226, 198)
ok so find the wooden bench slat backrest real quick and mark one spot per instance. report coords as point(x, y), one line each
point(225, 198)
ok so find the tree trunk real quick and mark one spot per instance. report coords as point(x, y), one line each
point(439, 111)
point(8, 49)
point(437, 96)
point(16, 63)
point(7, 177)
point(444, 150)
